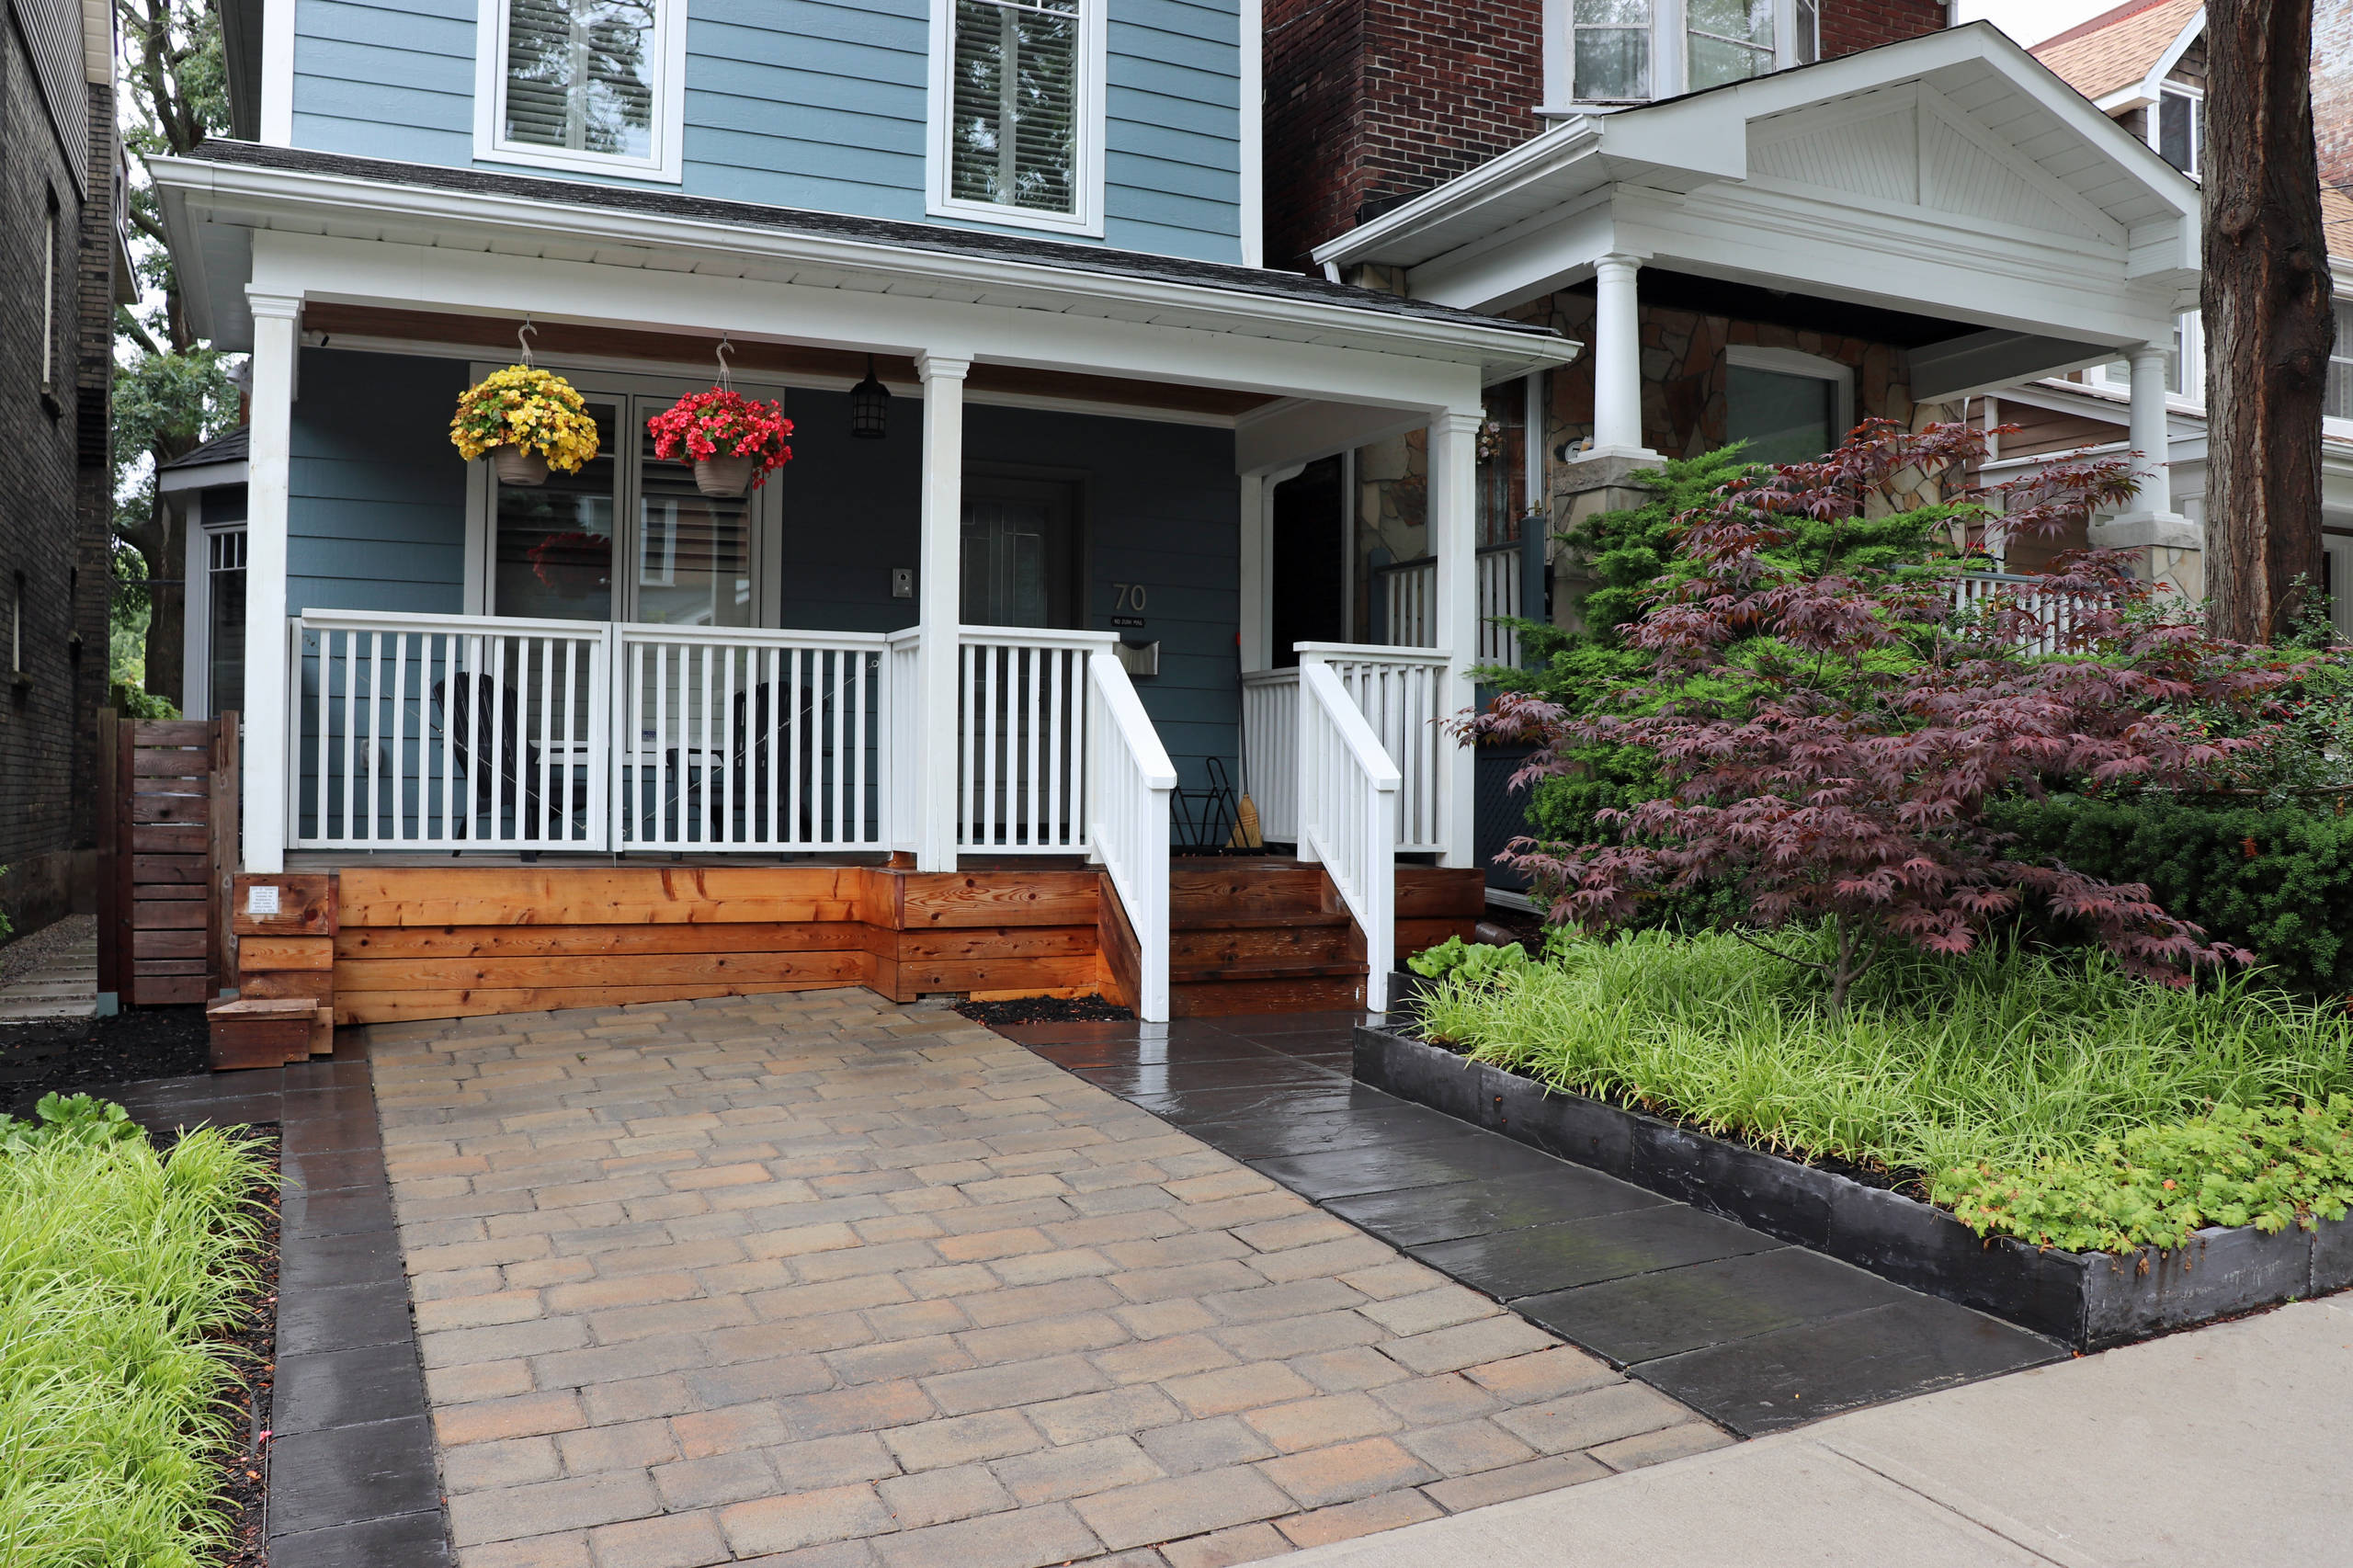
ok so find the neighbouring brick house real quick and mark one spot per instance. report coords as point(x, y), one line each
point(59, 273)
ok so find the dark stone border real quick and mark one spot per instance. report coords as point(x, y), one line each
point(2088, 1301)
point(353, 1480)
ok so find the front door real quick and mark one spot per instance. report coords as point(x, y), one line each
point(1020, 554)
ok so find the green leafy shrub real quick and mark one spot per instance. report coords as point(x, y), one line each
point(1473, 963)
point(2270, 1168)
point(117, 1269)
point(2276, 879)
point(1994, 1061)
point(67, 1118)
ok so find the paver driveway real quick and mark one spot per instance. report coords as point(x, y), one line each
point(817, 1279)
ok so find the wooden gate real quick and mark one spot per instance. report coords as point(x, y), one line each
point(167, 846)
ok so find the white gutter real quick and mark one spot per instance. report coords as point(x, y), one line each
point(382, 204)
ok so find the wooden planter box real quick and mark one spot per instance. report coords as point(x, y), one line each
point(2088, 1301)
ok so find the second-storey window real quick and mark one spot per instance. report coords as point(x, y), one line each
point(1728, 40)
point(2181, 129)
point(2338, 401)
point(584, 84)
point(1014, 138)
point(1612, 50)
point(1624, 52)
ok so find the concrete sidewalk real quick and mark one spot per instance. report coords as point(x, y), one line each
point(2231, 1446)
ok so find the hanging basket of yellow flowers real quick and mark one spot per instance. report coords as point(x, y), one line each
point(529, 420)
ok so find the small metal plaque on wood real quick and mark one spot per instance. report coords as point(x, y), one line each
point(261, 898)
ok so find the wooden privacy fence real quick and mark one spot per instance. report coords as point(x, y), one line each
point(167, 844)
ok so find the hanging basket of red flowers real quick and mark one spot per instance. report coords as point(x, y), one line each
point(734, 441)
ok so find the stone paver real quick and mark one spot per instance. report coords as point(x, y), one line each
point(819, 1276)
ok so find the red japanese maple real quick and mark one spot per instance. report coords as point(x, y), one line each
point(1829, 741)
point(722, 423)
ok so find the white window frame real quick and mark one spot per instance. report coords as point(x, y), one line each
point(2340, 351)
point(1087, 179)
point(2154, 115)
point(1669, 60)
point(196, 608)
point(2338, 548)
point(1797, 362)
point(767, 502)
point(2190, 325)
point(665, 162)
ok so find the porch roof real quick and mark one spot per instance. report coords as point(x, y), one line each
point(1949, 175)
point(215, 201)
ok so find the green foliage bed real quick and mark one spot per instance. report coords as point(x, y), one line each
point(116, 1268)
point(2048, 1098)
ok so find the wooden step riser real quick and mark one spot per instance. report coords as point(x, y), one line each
point(1218, 998)
point(1265, 944)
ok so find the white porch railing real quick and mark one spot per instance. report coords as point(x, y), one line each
point(1974, 592)
point(1348, 794)
point(747, 740)
point(437, 732)
point(1408, 589)
point(1270, 750)
point(1400, 691)
point(1022, 714)
point(1131, 778)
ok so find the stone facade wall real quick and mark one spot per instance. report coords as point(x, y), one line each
point(53, 494)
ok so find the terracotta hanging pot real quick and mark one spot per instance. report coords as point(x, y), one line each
point(725, 478)
point(518, 467)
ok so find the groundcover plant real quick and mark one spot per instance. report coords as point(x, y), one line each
point(2048, 1096)
point(117, 1268)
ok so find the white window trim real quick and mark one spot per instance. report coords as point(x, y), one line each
point(666, 163)
point(1670, 66)
point(2191, 398)
point(767, 502)
point(2153, 115)
point(2340, 608)
point(1796, 362)
point(1086, 180)
point(2340, 429)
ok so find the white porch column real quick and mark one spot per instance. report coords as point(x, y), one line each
point(1617, 360)
point(263, 810)
point(1454, 540)
point(2149, 437)
point(939, 606)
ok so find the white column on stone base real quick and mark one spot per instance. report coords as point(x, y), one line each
point(2149, 437)
point(277, 329)
point(1617, 360)
point(1453, 518)
point(939, 606)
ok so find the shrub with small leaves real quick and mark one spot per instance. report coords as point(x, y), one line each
point(1473, 963)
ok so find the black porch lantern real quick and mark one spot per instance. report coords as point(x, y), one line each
point(869, 406)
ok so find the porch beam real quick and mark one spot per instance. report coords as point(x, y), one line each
point(1389, 374)
point(276, 332)
point(939, 605)
point(1454, 543)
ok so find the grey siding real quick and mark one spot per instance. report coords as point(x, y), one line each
point(813, 104)
point(375, 514)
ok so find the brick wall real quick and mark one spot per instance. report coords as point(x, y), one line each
point(1372, 102)
point(47, 502)
point(2333, 88)
point(1848, 26)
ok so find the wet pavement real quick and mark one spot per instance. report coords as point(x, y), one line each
point(1752, 1332)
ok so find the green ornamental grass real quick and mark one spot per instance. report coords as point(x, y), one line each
point(2047, 1097)
point(117, 1268)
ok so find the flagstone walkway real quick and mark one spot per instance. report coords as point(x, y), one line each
point(818, 1279)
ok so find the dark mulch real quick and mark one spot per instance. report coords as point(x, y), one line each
point(251, 1351)
point(94, 1053)
point(1048, 1010)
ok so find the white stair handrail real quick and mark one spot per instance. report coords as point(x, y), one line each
point(1348, 813)
point(1129, 781)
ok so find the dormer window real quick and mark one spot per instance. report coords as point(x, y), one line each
point(585, 86)
point(1627, 52)
point(1017, 112)
point(2180, 123)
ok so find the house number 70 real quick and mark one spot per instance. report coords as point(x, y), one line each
point(1128, 597)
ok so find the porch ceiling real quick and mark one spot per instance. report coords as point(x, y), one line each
point(347, 232)
point(1951, 175)
point(369, 326)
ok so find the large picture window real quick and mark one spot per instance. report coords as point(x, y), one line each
point(581, 85)
point(1017, 111)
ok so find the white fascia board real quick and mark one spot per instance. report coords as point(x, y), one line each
point(1706, 133)
point(601, 293)
point(200, 476)
point(1532, 257)
point(476, 225)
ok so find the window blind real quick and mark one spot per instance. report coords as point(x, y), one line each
point(580, 76)
point(1013, 135)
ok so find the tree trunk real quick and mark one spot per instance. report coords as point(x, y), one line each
point(2265, 299)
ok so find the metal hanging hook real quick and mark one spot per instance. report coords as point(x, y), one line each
point(722, 351)
point(523, 335)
